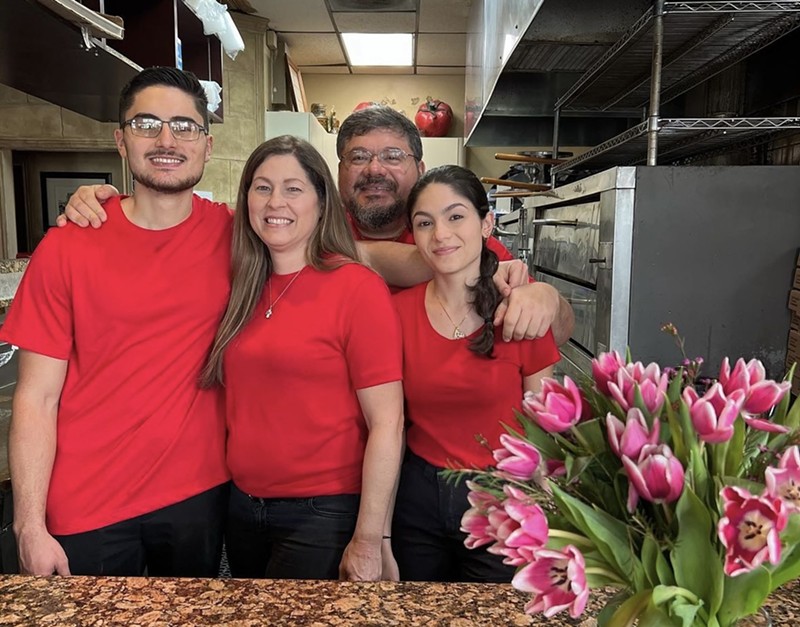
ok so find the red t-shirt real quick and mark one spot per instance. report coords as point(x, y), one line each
point(452, 394)
point(134, 312)
point(295, 427)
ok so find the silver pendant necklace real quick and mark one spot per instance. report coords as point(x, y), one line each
point(272, 303)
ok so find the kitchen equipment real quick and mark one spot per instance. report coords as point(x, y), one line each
point(710, 249)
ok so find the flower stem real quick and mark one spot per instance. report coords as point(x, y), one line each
point(611, 576)
point(572, 537)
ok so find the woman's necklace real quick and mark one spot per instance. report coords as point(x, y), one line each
point(272, 303)
point(457, 332)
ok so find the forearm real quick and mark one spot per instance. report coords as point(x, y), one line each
point(380, 472)
point(400, 265)
point(564, 322)
point(32, 448)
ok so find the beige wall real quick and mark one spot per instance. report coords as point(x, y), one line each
point(404, 93)
point(244, 85)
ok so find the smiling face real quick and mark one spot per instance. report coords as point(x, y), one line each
point(448, 231)
point(164, 164)
point(376, 194)
point(284, 208)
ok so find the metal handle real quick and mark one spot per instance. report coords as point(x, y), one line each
point(554, 222)
point(580, 301)
point(597, 260)
point(498, 231)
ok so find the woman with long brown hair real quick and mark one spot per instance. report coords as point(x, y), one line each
point(309, 352)
point(461, 380)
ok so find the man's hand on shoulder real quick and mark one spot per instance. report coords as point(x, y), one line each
point(84, 206)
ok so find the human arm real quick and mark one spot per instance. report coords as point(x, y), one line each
point(84, 206)
point(365, 555)
point(531, 309)
point(400, 265)
point(32, 448)
point(533, 382)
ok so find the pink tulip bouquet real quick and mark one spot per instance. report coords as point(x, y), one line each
point(680, 496)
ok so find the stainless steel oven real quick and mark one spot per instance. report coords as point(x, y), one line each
point(710, 249)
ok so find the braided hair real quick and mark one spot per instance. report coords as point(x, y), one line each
point(484, 294)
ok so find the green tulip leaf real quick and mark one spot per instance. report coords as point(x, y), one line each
point(675, 387)
point(735, 450)
point(694, 556)
point(537, 436)
point(592, 432)
point(793, 416)
point(629, 610)
point(679, 448)
point(609, 536)
point(744, 594)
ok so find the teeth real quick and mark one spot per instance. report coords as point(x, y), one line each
point(279, 221)
point(166, 161)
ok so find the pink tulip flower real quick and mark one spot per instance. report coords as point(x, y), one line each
point(557, 407)
point(761, 394)
point(784, 481)
point(652, 384)
point(475, 521)
point(657, 476)
point(557, 580)
point(519, 528)
point(518, 459)
point(713, 415)
point(750, 530)
point(604, 370)
point(629, 438)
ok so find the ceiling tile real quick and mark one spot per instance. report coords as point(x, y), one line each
point(324, 69)
point(444, 16)
point(358, 69)
point(445, 69)
point(301, 16)
point(375, 22)
point(447, 49)
point(314, 49)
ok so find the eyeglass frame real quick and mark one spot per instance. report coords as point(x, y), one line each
point(372, 155)
point(130, 123)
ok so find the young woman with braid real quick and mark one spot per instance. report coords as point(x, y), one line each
point(461, 380)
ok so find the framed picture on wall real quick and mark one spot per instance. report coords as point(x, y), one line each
point(57, 187)
point(296, 83)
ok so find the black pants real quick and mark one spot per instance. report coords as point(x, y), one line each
point(293, 538)
point(180, 540)
point(427, 541)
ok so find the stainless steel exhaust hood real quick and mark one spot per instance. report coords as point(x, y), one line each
point(522, 55)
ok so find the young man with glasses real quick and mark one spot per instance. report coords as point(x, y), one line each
point(117, 456)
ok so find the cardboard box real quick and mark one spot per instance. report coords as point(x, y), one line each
point(794, 323)
point(793, 345)
point(796, 284)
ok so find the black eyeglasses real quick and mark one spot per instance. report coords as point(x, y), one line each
point(185, 130)
point(388, 157)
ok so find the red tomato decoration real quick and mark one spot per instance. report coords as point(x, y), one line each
point(433, 118)
point(364, 105)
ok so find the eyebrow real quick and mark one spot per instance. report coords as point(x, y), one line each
point(177, 118)
point(289, 180)
point(447, 209)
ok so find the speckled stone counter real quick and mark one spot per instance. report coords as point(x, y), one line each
point(154, 602)
point(11, 271)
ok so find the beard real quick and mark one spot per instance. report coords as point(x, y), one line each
point(373, 218)
point(165, 185)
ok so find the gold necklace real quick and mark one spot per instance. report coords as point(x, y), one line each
point(268, 313)
point(457, 332)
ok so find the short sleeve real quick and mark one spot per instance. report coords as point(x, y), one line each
point(373, 341)
point(41, 316)
point(539, 353)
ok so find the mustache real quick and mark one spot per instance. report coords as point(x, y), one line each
point(364, 181)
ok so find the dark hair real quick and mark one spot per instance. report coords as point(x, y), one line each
point(330, 246)
point(166, 77)
point(366, 120)
point(485, 295)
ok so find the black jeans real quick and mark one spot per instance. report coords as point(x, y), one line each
point(293, 538)
point(180, 540)
point(427, 540)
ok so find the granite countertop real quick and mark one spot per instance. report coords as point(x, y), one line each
point(11, 271)
point(159, 602)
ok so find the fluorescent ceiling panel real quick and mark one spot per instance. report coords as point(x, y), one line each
point(379, 50)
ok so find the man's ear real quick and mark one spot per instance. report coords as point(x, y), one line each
point(209, 146)
point(421, 167)
point(119, 140)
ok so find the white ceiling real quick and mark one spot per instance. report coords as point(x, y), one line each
point(312, 28)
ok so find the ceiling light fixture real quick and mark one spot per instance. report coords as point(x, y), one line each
point(379, 49)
